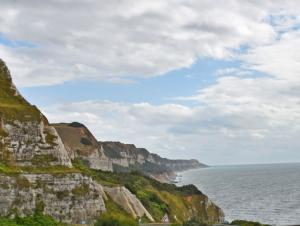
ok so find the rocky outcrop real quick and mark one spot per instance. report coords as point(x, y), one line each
point(25, 135)
point(129, 156)
point(80, 143)
point(70, 198)
point(130, 203)
point(32, 143)
point(202, 208)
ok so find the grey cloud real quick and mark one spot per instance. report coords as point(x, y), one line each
point(119, 40)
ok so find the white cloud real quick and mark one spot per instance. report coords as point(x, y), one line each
point(243, 117)
point(118, 40)
point(226, 131)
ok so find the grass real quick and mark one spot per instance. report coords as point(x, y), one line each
point(37, 219)
point(15, 170)
point(15, 107)
point(43, 160)
point(158, 198)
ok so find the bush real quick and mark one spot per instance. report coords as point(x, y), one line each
point(85, 141)
point(108, 220)
point(247, 223)
point(37, 219)
point(193, 222)
point(75, 124)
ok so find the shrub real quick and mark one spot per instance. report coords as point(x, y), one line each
point(37, 219)
point(22, 183)
point(43, 159)
point(7, 222)
point(85, 141)
point(108, 220)
point(50, 138)
point(76, 124)
point(247, 223)
point(193, 222)
point(81, 190)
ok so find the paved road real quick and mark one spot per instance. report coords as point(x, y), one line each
point(156, 224)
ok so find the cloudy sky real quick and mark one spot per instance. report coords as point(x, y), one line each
point(214, 80)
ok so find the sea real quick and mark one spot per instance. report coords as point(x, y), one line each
point(268, 193)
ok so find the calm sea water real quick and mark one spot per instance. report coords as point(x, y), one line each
point(266, 193)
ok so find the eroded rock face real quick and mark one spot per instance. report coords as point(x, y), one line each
point(33, 143)
point(80, 143)
point(126, 155)
point(25, 135)
point(70, 198)
point(130, 203)
point(202, 208)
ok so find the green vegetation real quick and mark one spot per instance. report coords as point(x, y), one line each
point(85, 141)
point(13, 106)
point(108, 220)
point(3, 133)
point(158, 198)
point(247, 223)
point(50, 138)
point(37, 219)
point(76, 124)
point(16, 170)
point(81, 190)
point(194, 222)
point(22, 183)
point(115, 216)
point(147, 167)
point(43, 160)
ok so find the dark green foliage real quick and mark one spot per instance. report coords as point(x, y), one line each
point(7, 222)
point(147, 167)
point(189, 189)
point(111, 152)
point(37, 219)
point(108, 220)
point(153, 203)
point(50, 138)
point(81, 190)
point(76, 124)
point(22, 183)
point(43, 160)
point(193, 222)
point(62, 194)
point(247, 223)
point(3, 133)
point(12, 106)
point(40, 205)
point(85, 141)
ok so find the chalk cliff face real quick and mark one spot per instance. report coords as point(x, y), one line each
point(72, 198)
point(128, 201)
point(26, 137)
point(129, 156)
point(117, 156)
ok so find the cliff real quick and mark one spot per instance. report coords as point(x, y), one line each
point(127, 157)
point(26, 138)
point(71, 198)
point(117, 156)
point(80, 143)
point(41, 170)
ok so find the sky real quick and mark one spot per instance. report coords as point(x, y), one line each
point(218, 81)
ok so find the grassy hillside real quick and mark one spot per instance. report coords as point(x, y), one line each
point(180, 203)
point(12, 105)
